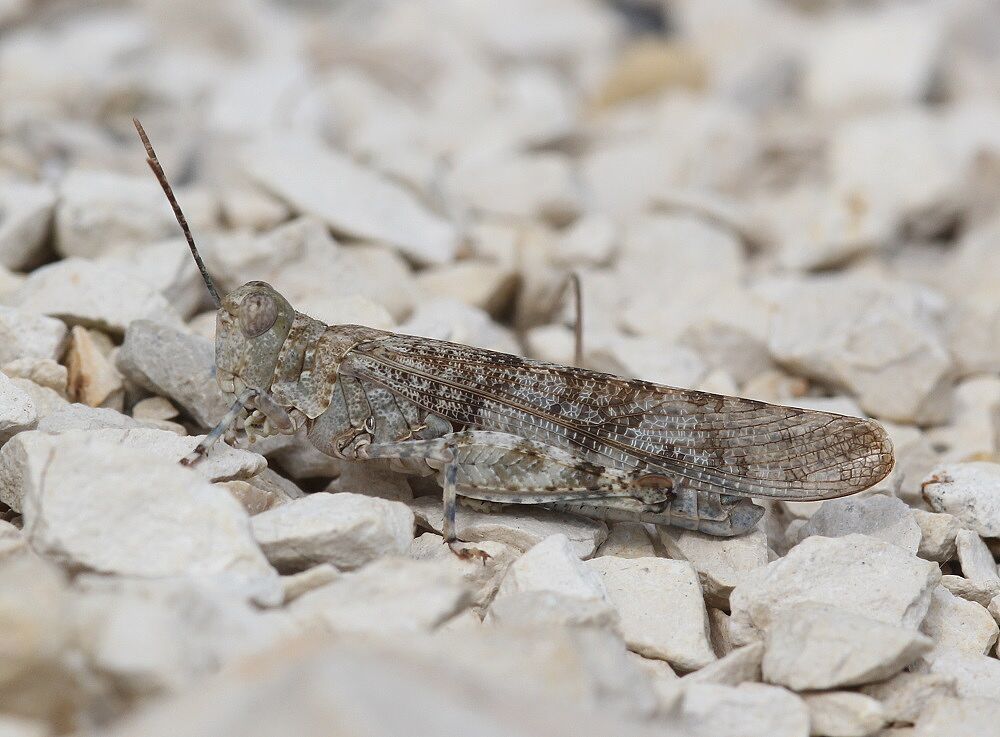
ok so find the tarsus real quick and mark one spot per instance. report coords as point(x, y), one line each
point(154, 164)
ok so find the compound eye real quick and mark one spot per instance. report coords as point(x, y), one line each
point(258, 313)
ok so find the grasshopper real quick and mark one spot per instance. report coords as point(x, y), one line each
point(499, 428)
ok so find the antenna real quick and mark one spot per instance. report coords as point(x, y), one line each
point(154, 164)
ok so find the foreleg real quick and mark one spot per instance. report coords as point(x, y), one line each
point(201, 450)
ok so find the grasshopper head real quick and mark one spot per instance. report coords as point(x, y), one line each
point(251, 326)
point(252, 322)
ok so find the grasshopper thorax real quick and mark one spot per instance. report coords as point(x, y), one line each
point(251, 326)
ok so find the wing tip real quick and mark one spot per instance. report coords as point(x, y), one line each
point(878, 456)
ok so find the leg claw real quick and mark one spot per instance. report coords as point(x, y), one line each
point(192, 458)
point(467, 551)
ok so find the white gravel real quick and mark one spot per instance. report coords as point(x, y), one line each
point(792, 201)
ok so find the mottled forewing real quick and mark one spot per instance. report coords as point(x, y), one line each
point(706, 441)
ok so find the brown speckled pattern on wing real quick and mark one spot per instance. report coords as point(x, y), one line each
point(707, 441)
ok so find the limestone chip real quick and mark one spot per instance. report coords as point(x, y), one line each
point(844, 714)
point(17, 411)
point(721, 563)
point(937, 534)
point(317, 180)
point(906, 695)
point(391, 595)
point(741, 665)
point(93, 504)
point(28, 334)
point(879, 340)
point(879, 516)
point(749, 710)
point(346, 530)
point(551, 585)
point(818, 646)
point(856, 573)
point(92, 378)
point(660, 606)
point(966, 717)
point(85, 293)
point(969, 491)
point(955, 622)
point(171, 363)
point(24, 223)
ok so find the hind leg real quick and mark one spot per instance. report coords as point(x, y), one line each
point(504, 468)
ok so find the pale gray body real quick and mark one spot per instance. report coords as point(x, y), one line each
point(501, 428)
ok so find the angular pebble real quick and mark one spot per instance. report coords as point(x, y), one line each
point(660, 606)
point(850, 64)
point(905, 696)
point(550, 579)
point(590, 240)
point(101, 209)
point(356, 686)
point(308, 580)
point(42, 371)
point(976, 559)
point(741, 665)
point(46, 400)
point(154, 408)
point(252, 498)
point(749, 710)
point(880, 340)
point(150, 636)
point(665, 683)
point(346, 530)
point(591, 667)
point(85, 293)
point(975, 676)
point(721, 562)
point(627, 540)
point(970, 491)
point(818, 646)
point(36, 611)
point(856, 573)
point(95, 505)
point(386, 596)
point(937, 534)
point(81, 417)
point(27, 334)
point(311, 268)
point(844, 714)
point(967, 717)
point(449, 319)
point(481, 284)
point(22, 460)
point(522, 528)
point(174, 364)
point(91, 378)
point(24, 224)
point(955, 622)
point(528, 186)
point(372, 478)
point(883, 517)
point(982, 592)
point(317, 180)
point(17, 411)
